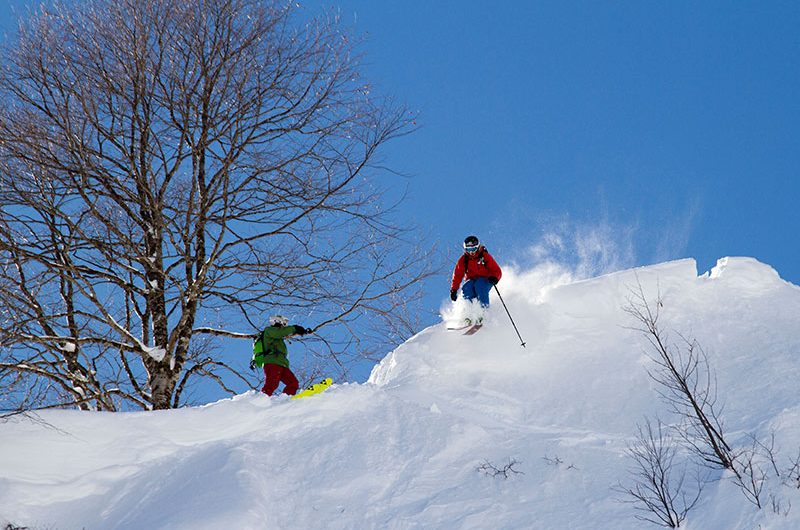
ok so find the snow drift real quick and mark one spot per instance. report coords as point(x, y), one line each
point(404, 449)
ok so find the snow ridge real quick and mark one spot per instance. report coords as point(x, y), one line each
point(405, 450)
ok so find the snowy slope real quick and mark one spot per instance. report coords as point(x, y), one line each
point(402, 451)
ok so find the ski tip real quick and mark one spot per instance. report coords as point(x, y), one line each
point(473, 329)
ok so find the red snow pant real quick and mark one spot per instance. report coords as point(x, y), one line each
point(274, 374)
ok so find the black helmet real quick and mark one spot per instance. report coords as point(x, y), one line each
point(471, 244)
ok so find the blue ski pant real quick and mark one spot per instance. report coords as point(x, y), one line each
point(478, 288)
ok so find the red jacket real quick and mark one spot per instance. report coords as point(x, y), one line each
point(481, 265)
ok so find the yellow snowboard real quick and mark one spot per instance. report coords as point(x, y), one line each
point(314, 389)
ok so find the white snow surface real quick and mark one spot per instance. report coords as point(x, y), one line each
point(403, 450)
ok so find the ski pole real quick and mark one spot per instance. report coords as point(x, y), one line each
point(522, 342)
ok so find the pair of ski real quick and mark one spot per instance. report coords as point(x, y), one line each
point(315, 388)
point(470, 328)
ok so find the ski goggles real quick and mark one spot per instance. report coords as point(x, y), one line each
point(472, 249)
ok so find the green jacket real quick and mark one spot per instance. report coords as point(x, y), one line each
point(269, 347)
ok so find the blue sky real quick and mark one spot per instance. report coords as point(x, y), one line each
point(661, 130)
point(669, 127)
point(673, 125)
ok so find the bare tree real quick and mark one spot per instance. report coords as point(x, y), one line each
point(172, 169)
point(685, 383)
point(659, 490)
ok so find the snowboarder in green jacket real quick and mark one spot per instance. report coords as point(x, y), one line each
point(269, 352)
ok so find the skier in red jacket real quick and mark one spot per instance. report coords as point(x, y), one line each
point(481, 270)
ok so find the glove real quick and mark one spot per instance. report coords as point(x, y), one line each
point(493, 280)
point(300, 330)
point(453, 294)
point(253, 365)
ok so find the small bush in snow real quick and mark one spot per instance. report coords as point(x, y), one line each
point(792, 476)
point(555, 461)
point(659, 491)
point(490, 470)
